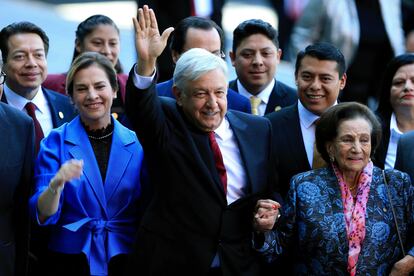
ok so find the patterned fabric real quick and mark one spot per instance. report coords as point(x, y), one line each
point(314, 225)
point(355, 212)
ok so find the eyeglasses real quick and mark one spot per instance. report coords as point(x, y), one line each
point(2, 77)
point(220, 54)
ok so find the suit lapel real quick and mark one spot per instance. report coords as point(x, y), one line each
point(118, 160)
point(275, 98)
point(245, 142)
point(293, 133)
point(81, 149)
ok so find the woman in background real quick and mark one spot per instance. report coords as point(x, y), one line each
point(98, 33)
point(396, 108)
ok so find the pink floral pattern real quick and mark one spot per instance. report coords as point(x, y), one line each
point(355, 212)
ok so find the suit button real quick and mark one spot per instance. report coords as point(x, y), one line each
point(384, 209)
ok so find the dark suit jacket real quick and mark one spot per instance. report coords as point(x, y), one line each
point(61, 109)
point(405, 154)
point(281, 96)
point(289, 150)
point(234, 100)
point(16, 147)
point(188, 220)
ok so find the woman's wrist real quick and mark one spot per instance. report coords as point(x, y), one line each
point(53, 187)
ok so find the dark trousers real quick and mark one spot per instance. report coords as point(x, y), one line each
point(77, 265)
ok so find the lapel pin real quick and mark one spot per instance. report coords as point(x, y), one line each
point(61, 116)
point(277, 108)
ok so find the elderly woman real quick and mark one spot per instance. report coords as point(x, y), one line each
point(396, 108)
point(88, 178)
point(340, 218)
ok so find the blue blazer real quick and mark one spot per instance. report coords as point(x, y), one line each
point(98, 219)
point(235, 101)
point(315, 222)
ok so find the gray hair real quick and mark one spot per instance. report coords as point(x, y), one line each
point(193, 63)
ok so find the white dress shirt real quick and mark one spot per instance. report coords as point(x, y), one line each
point(264, 95)
point(395, 135)
point(43, 113)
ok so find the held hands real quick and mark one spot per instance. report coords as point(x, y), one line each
point(148, 41)
point(403, 267)
point(266, 215)
point(71, 169)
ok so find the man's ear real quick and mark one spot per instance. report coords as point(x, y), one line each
point(232, 57)
point(175, 56)
point(178, 94)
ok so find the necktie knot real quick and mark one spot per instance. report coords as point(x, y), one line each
point(30, 108)
point(254, 103)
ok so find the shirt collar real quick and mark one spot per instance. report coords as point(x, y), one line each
point(222, 132)
point(393, 125)
point(264, 95)
point(306, 117)
point(19, 102)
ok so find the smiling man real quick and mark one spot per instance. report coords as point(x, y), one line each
point(255, 56)
point(208, 166)
point(24, 48)
point(320, 76)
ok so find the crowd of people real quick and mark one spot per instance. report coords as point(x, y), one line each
point(146, 173)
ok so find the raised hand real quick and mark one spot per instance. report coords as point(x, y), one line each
point(149, 43)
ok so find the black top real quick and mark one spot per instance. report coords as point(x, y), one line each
point(101, 141)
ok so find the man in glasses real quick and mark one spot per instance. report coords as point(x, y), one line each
point(198, 32)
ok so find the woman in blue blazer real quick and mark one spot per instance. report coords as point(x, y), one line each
point(88, 178)
point(339, 218)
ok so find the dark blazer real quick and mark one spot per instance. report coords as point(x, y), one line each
point(235, 101)
point(188, 220)
point(61, 109)
point(289, 150)
point(405, 154)
point(281, 96)
point(315, 220)
point(17, 149)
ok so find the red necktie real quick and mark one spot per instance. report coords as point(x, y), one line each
point(192, 8)
point(31, 107)
point(218, 159)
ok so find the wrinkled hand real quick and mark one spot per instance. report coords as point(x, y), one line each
point(71, 169)
point(149, 43)
point(266, 215)
point(403, 267)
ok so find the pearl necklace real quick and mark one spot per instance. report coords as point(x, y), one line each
point(101, 137)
